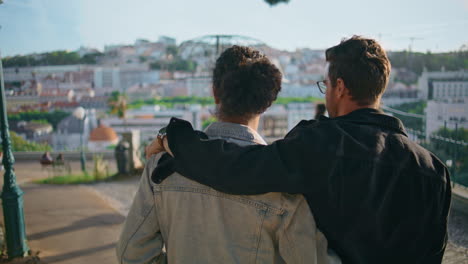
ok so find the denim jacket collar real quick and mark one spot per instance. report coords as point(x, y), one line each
point(236, 131)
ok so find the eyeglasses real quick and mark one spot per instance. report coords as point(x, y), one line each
point(322, 86)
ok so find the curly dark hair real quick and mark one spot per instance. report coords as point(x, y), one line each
point(245, 82)
point(363, 66)
point(230, 60)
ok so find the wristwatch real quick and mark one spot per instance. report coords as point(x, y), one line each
point(161, 135)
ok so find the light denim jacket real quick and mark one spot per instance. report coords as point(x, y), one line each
point(197, 224)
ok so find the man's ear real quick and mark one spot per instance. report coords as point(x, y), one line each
point(341, 89)
point(216, 99)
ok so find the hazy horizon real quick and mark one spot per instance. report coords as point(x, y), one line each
point(30, 26)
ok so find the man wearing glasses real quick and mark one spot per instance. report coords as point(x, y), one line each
point(322, 86)
point(377, 196)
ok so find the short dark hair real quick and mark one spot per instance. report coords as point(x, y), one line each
point(363, 66)
point(245, 82)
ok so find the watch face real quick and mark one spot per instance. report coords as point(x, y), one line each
point(162, 131)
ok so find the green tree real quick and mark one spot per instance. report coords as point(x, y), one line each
point(417, 61)
point(413, 108)
point(20, 144)
point(91, 58)
point(287, 100)
point(157, 65)
point(59, 57)
point(172, 50)
point(171, 101)
point(40, 121)
point(208, 121)
point(177, 64)
point(118, 104)
point(52, 118)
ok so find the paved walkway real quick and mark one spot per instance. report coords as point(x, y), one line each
point(28, 171)
point(67, 224)
point(455, 254)
point(70, 224)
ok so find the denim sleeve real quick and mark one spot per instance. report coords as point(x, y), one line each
point(141, 240)
point(297, 236)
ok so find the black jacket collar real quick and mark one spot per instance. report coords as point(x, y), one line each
point(370, 116)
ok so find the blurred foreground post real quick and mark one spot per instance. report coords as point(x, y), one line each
point(12, 195)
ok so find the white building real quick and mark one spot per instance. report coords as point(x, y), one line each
point(32, 131)
point(56, 95)
point(447, 95)
point(13, 102)
point(443, 85)
point(15, 74)
point(117, 79)
point(273, 123)
point(144, 91)
point(298, 112)
point(443, 89)
point(149, 119)
point(106, 80)
point(294, 90)
point(447, 113)
point(278, 120)
point(201, 87)
point(398, 93)
point(69, 130)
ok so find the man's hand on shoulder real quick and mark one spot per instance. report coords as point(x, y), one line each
point(156, 147)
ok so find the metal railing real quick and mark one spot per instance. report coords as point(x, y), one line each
point(452, 151)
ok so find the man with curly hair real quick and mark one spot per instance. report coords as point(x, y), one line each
point(197, 224)
point(376, 195)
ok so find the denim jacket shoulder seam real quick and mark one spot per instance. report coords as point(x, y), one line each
point(259, 239)
point(241, 199)
point(290, 243)
point(135, 231)
point(158, 209)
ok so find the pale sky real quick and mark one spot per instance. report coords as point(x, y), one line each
point(44, 25)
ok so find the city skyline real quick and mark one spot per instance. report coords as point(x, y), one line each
point(40, 26)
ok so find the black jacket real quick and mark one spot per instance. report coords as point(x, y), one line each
point(377, 196)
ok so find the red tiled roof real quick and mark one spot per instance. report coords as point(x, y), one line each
point(103, 133)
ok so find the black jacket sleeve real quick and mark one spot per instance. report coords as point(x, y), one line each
point(230, 168)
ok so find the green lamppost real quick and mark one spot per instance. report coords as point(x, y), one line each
point(12, 195)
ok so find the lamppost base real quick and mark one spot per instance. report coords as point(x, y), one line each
point(15, 233)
